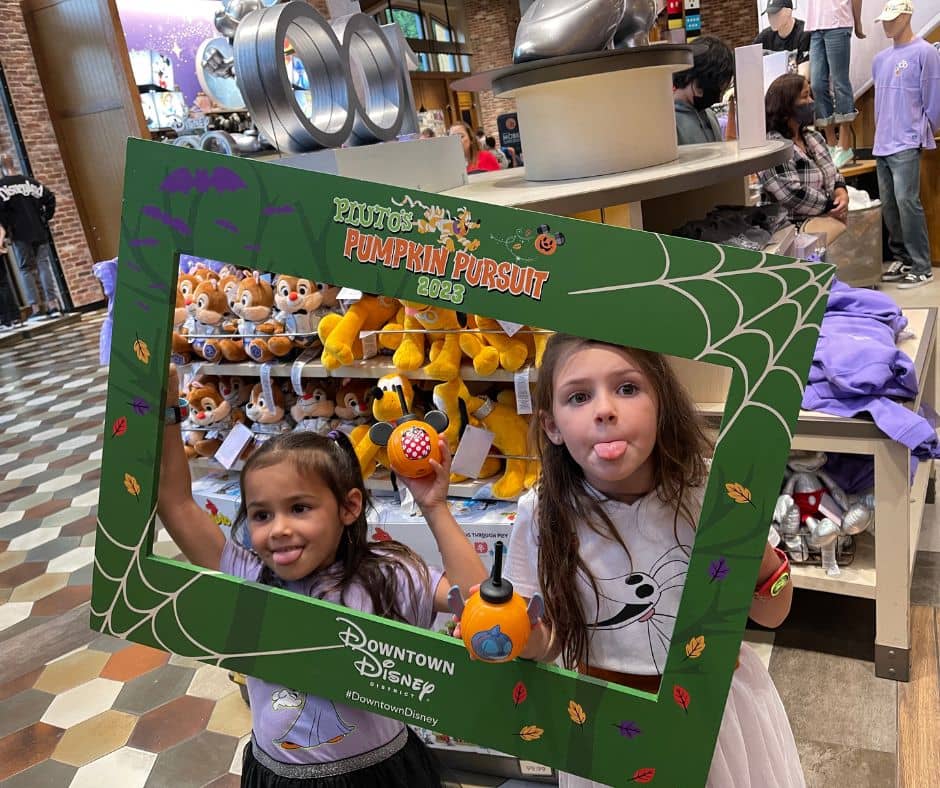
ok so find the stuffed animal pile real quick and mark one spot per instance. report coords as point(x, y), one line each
point(228, 315)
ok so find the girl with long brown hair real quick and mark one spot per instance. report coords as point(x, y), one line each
point(606, 539)
point(304, 505)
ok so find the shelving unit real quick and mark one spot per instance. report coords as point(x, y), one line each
point(374, 367)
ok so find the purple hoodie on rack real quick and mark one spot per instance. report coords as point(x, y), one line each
point(857, 368)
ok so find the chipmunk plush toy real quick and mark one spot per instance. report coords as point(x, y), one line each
point(180, 349)
point(212, 418)
point(207, 308)
point(314, 409)
point(299, 303)
point(267, 418)
point(235, 389)
point(254, 305)
point(353, 405)
point(340, 335)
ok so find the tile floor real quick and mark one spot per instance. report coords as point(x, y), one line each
point(80, 709)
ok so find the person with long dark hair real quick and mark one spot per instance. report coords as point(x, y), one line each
point(304, 504)
point(808, 185)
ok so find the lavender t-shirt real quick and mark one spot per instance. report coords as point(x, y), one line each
point(907, 97)
point(294, 727)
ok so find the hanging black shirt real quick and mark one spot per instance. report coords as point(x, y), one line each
point(797, 41)
point(25, 207)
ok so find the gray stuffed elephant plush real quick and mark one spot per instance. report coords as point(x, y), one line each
point(813, 514)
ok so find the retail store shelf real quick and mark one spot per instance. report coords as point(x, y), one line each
point(379, 482)
point(374, 367)
point(857, 579)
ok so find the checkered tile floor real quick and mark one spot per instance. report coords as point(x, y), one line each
point(110, 714)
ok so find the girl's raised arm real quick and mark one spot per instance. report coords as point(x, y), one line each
point(462, 565)
point(191, 528)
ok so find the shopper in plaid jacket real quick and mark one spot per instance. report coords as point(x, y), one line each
point(808, 185)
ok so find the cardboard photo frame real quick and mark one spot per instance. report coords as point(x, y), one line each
point(756, 314)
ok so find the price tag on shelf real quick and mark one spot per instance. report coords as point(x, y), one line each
point(231, 448)
point(370, 343)
point(532, 769)
point(472, 451)
point(523, 392)
point(349, 294)
point(509, 327)
point(297, 370)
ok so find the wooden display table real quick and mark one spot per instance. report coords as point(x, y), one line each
point(861, 167)
point(884, 561)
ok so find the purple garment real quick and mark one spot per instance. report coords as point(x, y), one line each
point(106, 271)
point(857, 368)
point(294, 727)
point(907, 97)
point(854, 473)
point(188, 263)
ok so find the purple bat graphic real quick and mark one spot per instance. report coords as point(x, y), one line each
point(225, 224)
point(143, 306)
point(252, 248)
point(183, 180)
point(273, 210)
point(164, 218)
point(135, 242)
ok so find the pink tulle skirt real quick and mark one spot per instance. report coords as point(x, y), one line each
point(755, 746)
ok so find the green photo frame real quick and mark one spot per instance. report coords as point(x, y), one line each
point(756, 314)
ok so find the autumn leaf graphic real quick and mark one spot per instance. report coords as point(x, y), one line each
point(682, 697)
point(739, 493)
point(578, 717)
point(530, 733)
point(141, 350)
point(718, 570)
point(519, 694)
point(645, 775)
point(695, 647)
point(131, 485)
point(628, 729)
point(119, 427)
point(140, 405)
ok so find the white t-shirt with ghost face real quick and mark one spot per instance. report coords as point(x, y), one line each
point(632, 620)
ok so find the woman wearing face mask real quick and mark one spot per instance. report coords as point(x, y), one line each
point(809, 186)
point(698, 88)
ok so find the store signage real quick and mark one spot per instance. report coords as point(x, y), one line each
point(755, 314)
point(507, 125)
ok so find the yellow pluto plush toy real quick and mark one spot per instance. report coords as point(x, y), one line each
point(440, 326)
point(340, 334)
point(385, 407)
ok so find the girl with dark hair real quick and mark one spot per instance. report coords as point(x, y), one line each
point(809, 186)
point(304, 503)
point(607, 536)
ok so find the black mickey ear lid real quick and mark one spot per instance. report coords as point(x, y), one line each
point(496, 589)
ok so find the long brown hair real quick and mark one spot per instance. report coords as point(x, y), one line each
point(333, 460)
point(780, 102)
point(474, 154)
point(564, 502)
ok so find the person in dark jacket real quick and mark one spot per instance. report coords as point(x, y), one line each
point(697, 88)
point(26, 206)
point(786, 33)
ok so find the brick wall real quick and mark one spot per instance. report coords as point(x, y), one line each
point(734, 21)
point(44, 154)
point(491, 33)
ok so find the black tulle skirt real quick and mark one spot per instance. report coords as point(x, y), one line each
point(413, 766)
